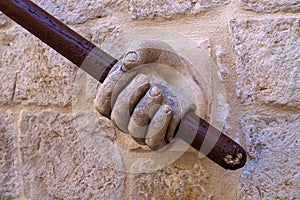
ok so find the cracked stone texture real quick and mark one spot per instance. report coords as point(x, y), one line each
point(9, 172)
point(269, 57)
point(271, 5)
point(141, 9)
point(32, 72)
point(55, 165)
point(170, 183)
point(79, 11)
point(273, 167)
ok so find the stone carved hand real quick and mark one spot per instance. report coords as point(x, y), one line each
point(141, 104)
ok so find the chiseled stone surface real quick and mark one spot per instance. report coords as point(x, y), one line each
point(55, 165)
point(31, 72)
point(79, 11)
point(273, 167)
point(143, 9)
point(221, 62)
point(269, 57)
point(99, 30)
point(271, 5)
point(3, 20)
point(9, 172)
point(8, 70)
point(170, 183)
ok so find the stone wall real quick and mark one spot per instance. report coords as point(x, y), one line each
point(255, 44)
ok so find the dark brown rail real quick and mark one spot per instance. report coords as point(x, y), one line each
point(59, 36)
point(211, 142)
point(193, 130)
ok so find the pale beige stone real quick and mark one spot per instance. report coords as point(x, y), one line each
point(99, 30)
point(271, 5)
point(269, 57)
point(79, 11)
point(143, 113)
point(10, 180)
point(141, 9)
point(56, 165)
point(205, 45)
point(8, 70)
point(31, 72)
point(97, 133)
point(170, 183)
point(165, 85)
point(221, 59)
point(155, 137)
point(3, 20)
point(273, 166)
point(104, 98)
point(99, 33)
point(129, 97)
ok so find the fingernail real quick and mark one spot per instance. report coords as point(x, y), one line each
point(131, 57)
point(167, 109)
point(154, 91)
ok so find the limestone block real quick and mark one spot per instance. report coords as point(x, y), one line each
point(79, 11)
point(204, 44)
point(221, 62)
point(273, 168)
point(3, 20)
point(31, 72)
point(9, 172)
point(8, 71)
point(170, 183)
point(271, 5)
point(141, 9)
point(269, 57)
point(99, 30)
point(56, 165)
